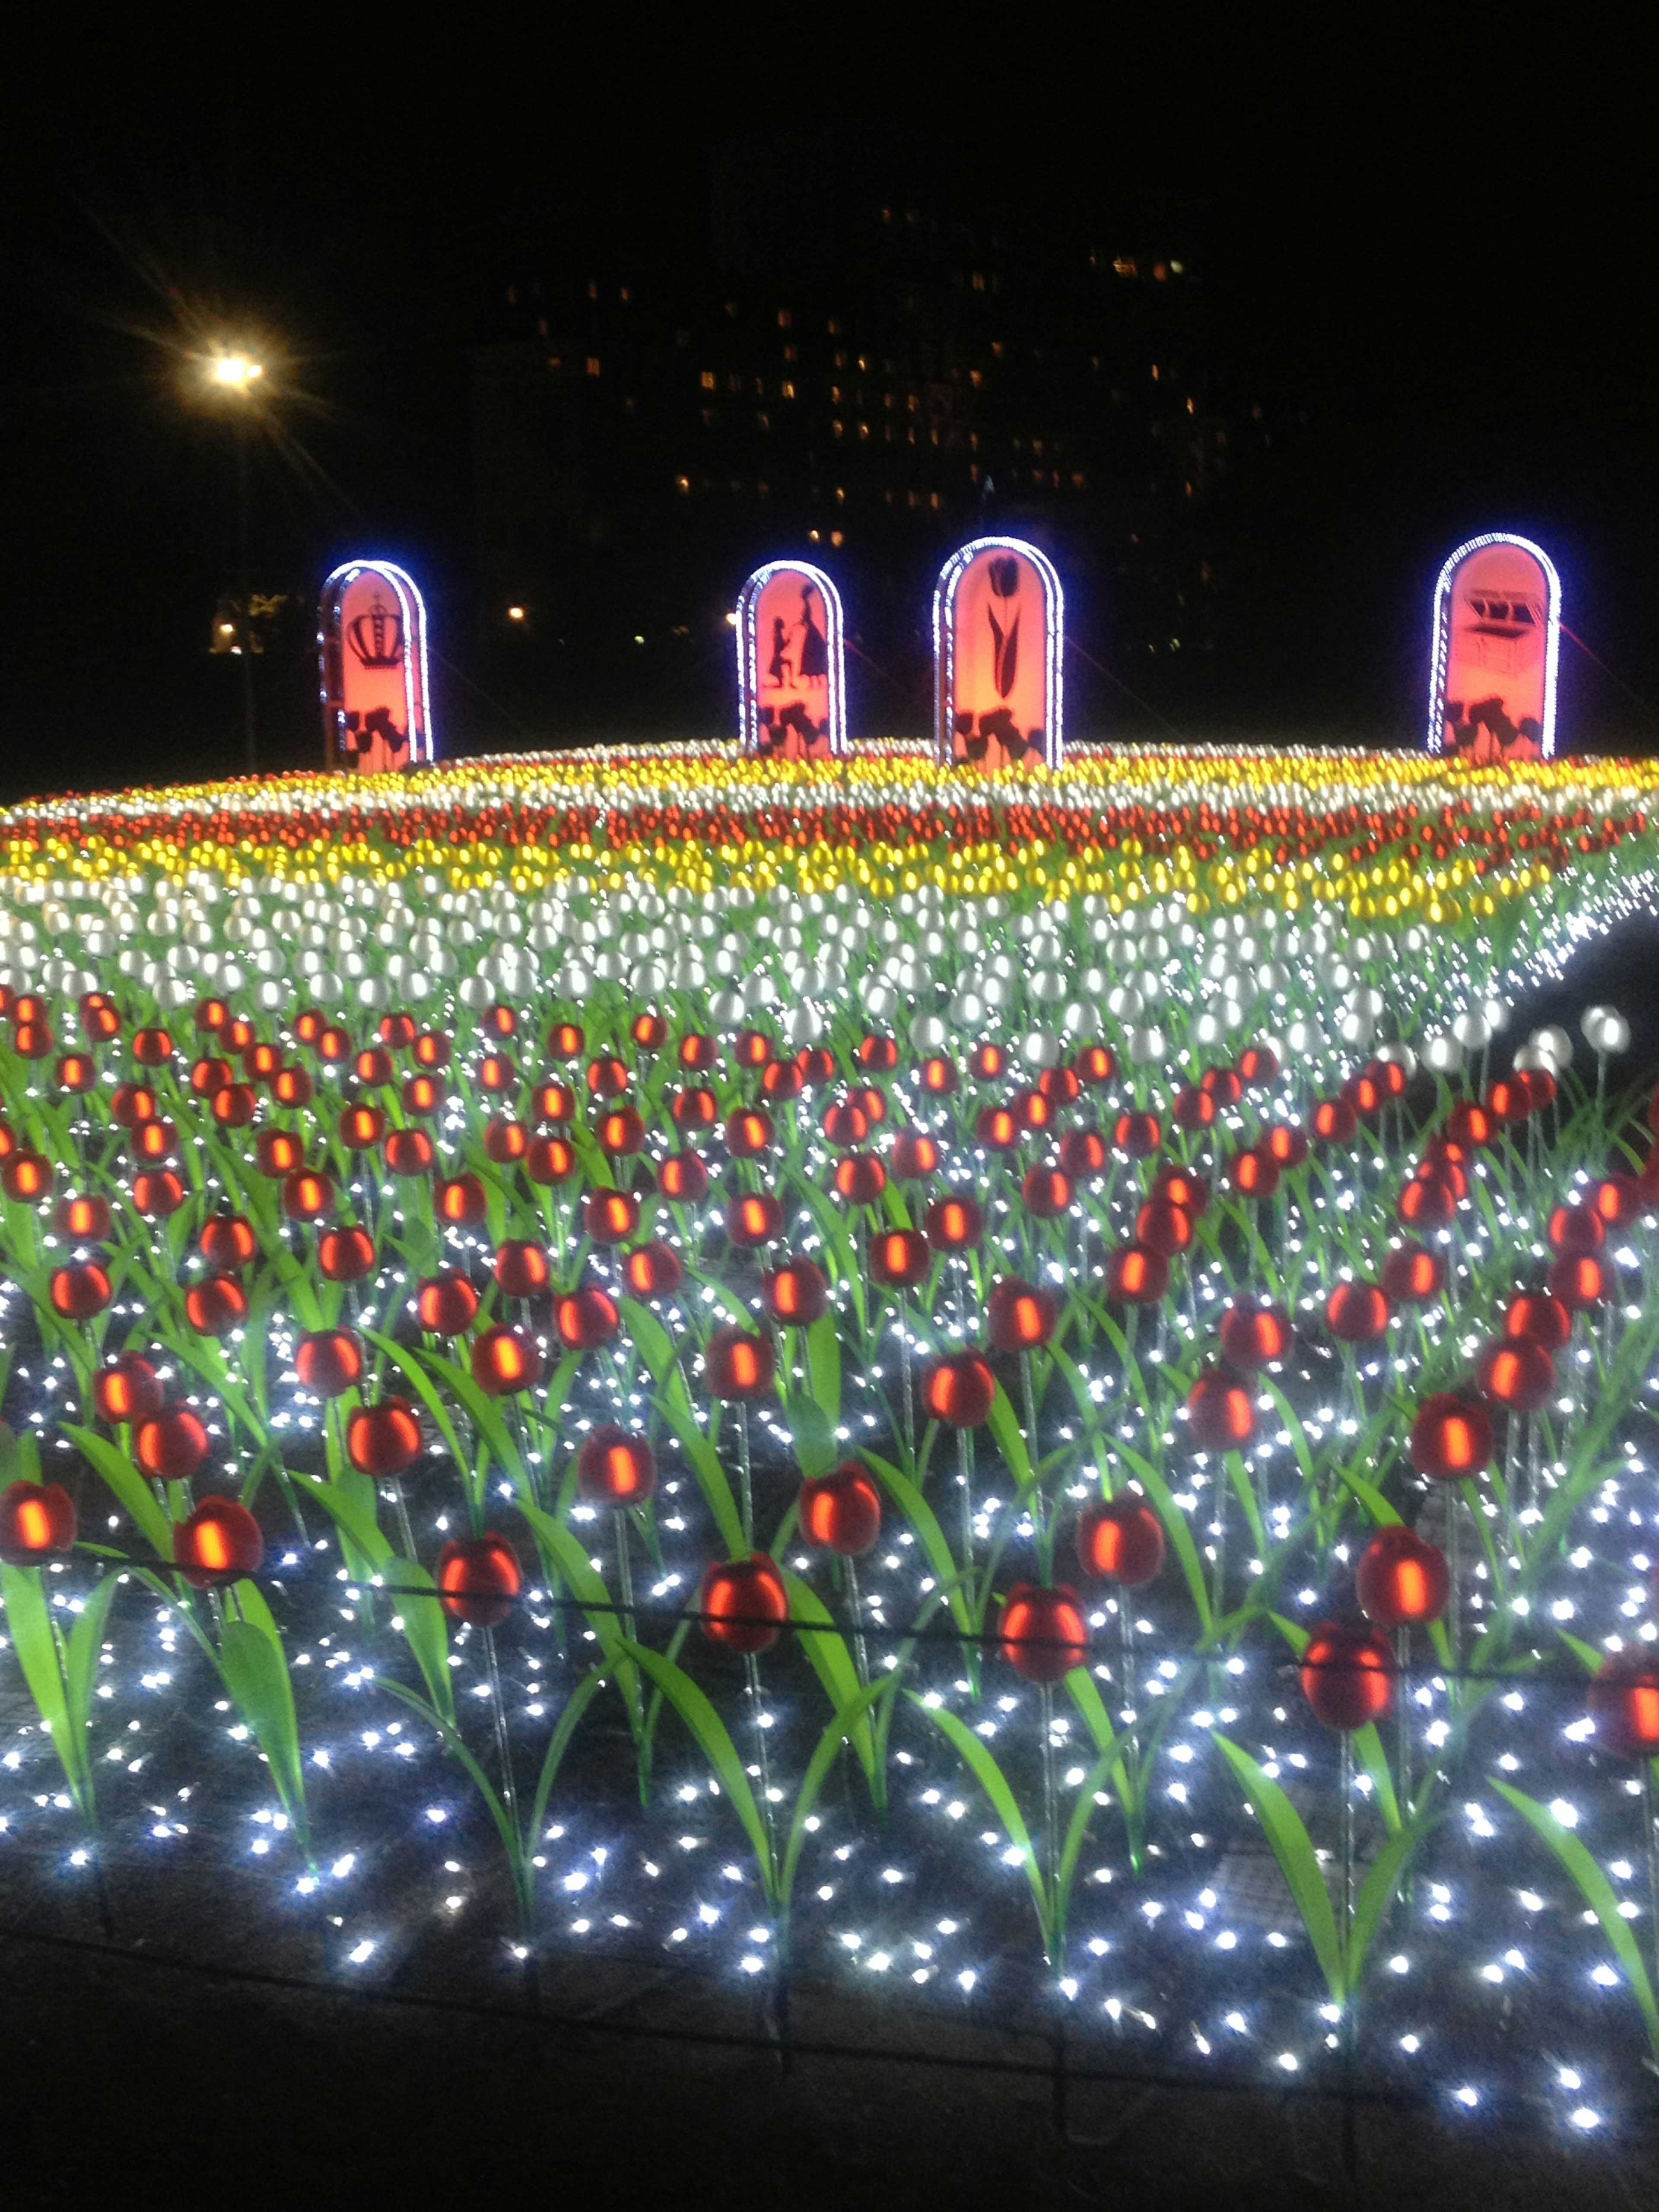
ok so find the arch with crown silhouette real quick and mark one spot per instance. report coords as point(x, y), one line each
point(1496, 630)
point(998, 628)
point(371, 642)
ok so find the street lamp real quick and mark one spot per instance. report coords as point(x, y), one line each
point(236, 376)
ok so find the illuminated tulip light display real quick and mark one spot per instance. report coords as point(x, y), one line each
point(999, 1391)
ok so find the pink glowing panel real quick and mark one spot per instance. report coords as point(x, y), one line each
point(792, 673)
point(1497, 620)
point(999, 625)
point(371, 640)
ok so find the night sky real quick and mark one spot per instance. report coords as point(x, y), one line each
point(1434, 269)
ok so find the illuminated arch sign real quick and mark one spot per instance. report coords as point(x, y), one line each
point(371, 634)
point(1497, 619)
point(791, 670)
point(999, 622)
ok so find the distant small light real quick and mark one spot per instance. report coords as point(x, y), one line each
point(1467, 2097)
point(515, 614)
point(1585, 2118)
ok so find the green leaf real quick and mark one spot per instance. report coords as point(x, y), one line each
point(82, 1648)
point(823, 1366)
point(1376, 1893)
point(563, 1555)
point(994, 1782)
point(29, 1618)
point(348, 1514)
point(716, 1743)
point(425, 1631)
point(256, 1675)
point(558, 1743)
point(1282, 1826)
point(1597, 1892)
point(131, 1491)
point(831, 1661)
point(1174, 1527)
point(852, 1716)
point(924, 1523)
point(814, 1438)
point(1011, 1441)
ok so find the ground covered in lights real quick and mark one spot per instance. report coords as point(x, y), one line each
point(1031, 1238)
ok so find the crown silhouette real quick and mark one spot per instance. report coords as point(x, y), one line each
point(377, 638)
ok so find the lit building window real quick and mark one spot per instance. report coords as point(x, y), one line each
point(841, 494)
point(622, 295)
point(787, 390)
point(933, 501)
point(864, 429)
point(977, 280)
point(708, 379)
point(1125, 266)
point(975, 377)
point(763, 422)
point(836, 537)
point(835, 427)
point(784, 319)
point(592, 364)
point(682, 484)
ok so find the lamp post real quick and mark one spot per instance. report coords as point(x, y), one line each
point(236, 376)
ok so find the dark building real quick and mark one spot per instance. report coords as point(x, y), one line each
point(867, 360)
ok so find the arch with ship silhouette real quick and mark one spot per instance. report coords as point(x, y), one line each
point(1497, 636)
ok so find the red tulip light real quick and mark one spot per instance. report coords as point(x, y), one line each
point(1219, 1412)
point(1046, 1192)
point(228, 1241)
point(1253, 1335)
point(1356, 1313)
point(1082, 1154)
point(959, 1390)
point(1122, 1541)
point(1347, 1676)
point(609, 1216)
point(409, 1152)
point(307, 1196)
point(548, 1160)
point(744, 1604)
point(86, 1220)
point(1018, 1316)
point(1576, 1229)
point(1043, 1636)
point(1137, 1135)
point(1402, 1581)
point(900, 1259)
point(840, 1512)
point(860, 1178)
point(1579, 1279)
point(157, 1194)
point(1537, 1315)
point(384, 1441)
point(128, 1389)
point(1450, 1439)
point(621, 1133)
point(329, 1362)
point(460, 1201)
point(1287, 1143)
point(447, 1304)
point(954, 1223)
point(1137, 1275)
point(170, 1444)
point(37, 1519)
point(520, 1268)
point(615, 1469)
point(796, 1294)
point(216, 1305)
point(345, 1255)
point(586, 1319)
point(1411, 1275)
point(219, 1541)
point(748, 1133)
point(505, 1361)
point(915, 1155)
point(684, 1178)
point(477, 1578)
point(1517, 1372)
point(737, 1364)
point(1624, 1703)
point(78, 1293)
point(1163, 1226)
point(653, 1270)
point(755, 1217)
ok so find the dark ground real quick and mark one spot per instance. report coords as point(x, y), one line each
point(135, 2076)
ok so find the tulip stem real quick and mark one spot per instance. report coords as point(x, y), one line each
point(904, 1375)
point(745, 1477)
point(1454, 1591)
point(752, 1668)
point(400, 1506)
point(862, 1657)
point(498, 1713)
point(625, 1576)
point(1650, 1843)
point(1051, 1826)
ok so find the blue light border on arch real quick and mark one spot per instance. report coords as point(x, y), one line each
point(749, 654)
point(944, 641)
point(1442, 650)
point(423, 750)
